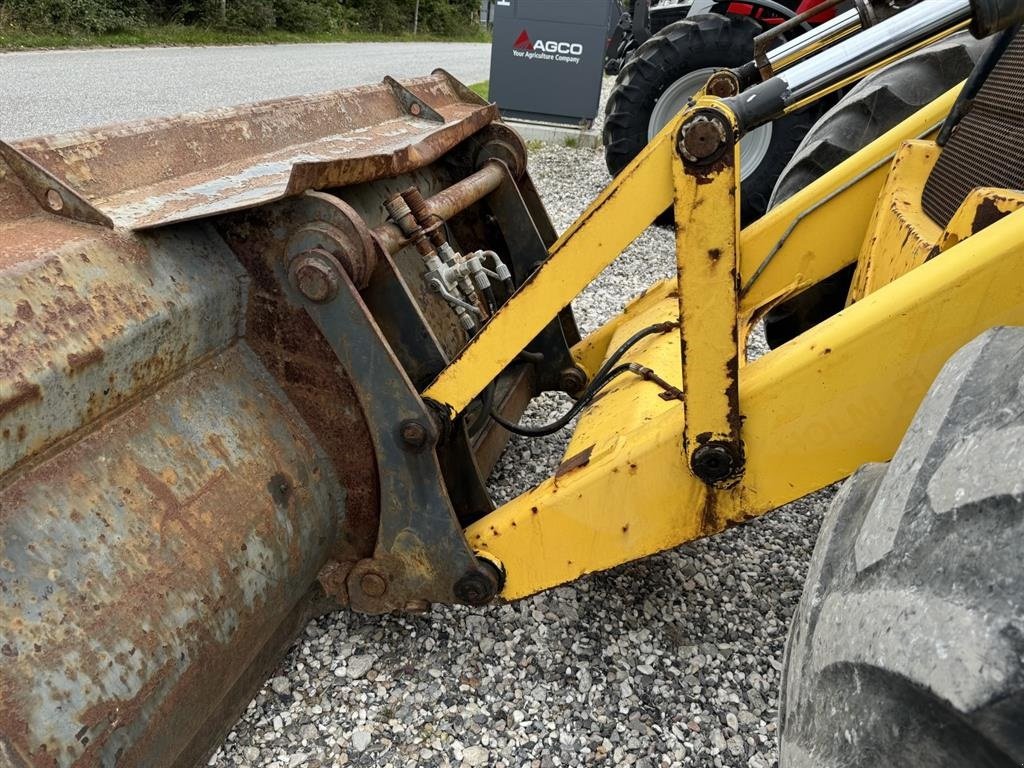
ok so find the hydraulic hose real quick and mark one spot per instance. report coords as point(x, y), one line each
point(605, 374)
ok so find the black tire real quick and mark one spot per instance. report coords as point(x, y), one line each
point(907, 648)
point(704, 41)
point(663, 15)
point(874, 106)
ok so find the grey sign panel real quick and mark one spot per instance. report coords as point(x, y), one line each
point(547, 58)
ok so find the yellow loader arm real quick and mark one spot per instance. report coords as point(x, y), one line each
point(697, 439)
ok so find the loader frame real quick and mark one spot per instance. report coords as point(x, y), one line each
point(648, 469)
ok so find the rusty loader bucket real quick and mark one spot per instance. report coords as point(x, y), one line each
point(213, 333)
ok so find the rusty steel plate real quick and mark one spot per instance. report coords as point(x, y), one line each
point(143, 568)
point(155, 172)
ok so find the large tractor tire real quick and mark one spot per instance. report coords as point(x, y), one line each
point(662, 76)
point(907, 648)
point(874, 106)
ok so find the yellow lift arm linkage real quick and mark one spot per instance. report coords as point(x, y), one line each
point(647, 470)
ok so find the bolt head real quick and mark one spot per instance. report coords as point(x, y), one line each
point(474, 589)
point(414, 434)
point(714, 462)
point(54, 200)
point(479, 587)
point(373, 585)
point(572, 380)
point(314, 276)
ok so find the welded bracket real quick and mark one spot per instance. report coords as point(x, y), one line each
point(412, 103)
point(705, 175)
point(53, 194)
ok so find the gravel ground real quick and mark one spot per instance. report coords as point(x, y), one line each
point(673, 660)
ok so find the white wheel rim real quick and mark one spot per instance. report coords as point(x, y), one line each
point(753, 147)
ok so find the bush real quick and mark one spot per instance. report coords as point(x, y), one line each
point(447, 18)
point(310, 16)
point(250, 16)
point(92, 16)
point(383, 16)
point(443, 18)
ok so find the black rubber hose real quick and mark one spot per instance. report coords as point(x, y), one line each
point(965, 99)
point(604, 374)
point(492, 303)
point(563, 421)
point(632, 342)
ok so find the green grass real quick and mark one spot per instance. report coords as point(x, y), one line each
point(14, 39)
point(481, 89)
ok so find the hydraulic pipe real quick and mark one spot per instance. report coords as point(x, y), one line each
point(448, 202)
point(830, 69)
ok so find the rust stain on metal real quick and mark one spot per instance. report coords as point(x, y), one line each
point(732, 394)
point(175, 514)
point(291, 347)
point(79, 360)
point(707, 172)
point(94, 320)
point(24, 392)
point(216, 444)
point(332, 578)
point(987, 214)
point(580, 459)
point(51, 193)
point(709, 521)
point(447, 203)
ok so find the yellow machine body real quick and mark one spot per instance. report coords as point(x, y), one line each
point(807, 413)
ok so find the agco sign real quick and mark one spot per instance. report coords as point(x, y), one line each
point(552, 50)
point(554, 47)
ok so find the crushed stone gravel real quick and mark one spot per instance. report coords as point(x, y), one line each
point(672, 660)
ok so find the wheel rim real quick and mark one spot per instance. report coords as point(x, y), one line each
point(753, 146)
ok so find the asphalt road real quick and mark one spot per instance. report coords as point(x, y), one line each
point(45, 92)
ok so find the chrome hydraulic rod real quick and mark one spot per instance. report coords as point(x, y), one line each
point(822, 36)
point(818, 75)
point(770, 59)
